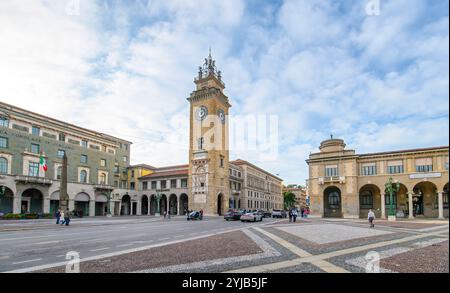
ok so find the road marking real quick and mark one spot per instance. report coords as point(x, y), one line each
point(124, 245)
point(47, 242)
point(4, 257)
point(99, 249)
point(61, 255)
point(160, 239)
point(27, 261)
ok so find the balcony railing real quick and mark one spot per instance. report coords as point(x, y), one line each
point(34, 180)
point(332, 179)
point(103, 187)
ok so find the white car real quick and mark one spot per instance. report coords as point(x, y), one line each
point(251, 217)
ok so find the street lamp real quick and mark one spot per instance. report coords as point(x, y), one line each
point(392, 187)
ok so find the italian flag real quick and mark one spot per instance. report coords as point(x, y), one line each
point(43, 163)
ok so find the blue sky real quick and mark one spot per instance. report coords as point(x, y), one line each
point(126, 68)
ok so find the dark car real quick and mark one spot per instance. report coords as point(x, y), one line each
point(267, 214)
point(194, 215)
point(233, 215)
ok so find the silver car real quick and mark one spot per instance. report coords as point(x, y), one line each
point(252, 217)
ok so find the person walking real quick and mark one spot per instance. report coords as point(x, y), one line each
point(165, 214)
point(168, 214)
point(62, 217)
point(67, 218)
point(302, 212)
point(290, 215)
point(371, 218)
point(201, 214)
point(58, 216)
point(294, 215)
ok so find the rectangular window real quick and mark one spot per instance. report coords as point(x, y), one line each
point(331, 171)
point(61, 137)
point(395, 169)
point(388, 200)
point(132, 173)
point(35, 148)
point(369, 170)
point(125, 159)
point(132, 185)
point(144, 185)
point(173, 183)
point(184, 183)
point(103, 162)
point(61, 154)
point(153, 184)
point(33, 169)
point(35, 131)
point(84, 144)
point(3, 142)
point(116, 169)
point(83, 159)
point(239, 174)
point(163, 184)
point(424, 168)
point(4, 122)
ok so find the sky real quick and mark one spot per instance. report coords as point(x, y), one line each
point(374, 75)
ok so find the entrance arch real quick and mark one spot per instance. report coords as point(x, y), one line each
point(399, 200)
point(369, 198)
point(54, 202)
point(144, 205)
point(6, 200)
point(82, 204)
point(126, 205)
point(173, 202)
point(32, 201)
point(152, 205)
point(220, 204)
point(332, 202)
point(101, 202)
point(163, 204)
point(425, 199)
point(184, 204)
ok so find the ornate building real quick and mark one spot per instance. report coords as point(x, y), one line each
point(345, 184)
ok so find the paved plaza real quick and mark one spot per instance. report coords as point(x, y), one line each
point(155, 245)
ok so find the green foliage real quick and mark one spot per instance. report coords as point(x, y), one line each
point(11, 217)
point(289, 199)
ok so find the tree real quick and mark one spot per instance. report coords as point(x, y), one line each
point(289, 199)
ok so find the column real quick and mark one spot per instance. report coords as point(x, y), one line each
point(383, 206)
point(17, 209)
point(441, 205)
point(410, 205)
point(46, 206)
point(131, 207)
point(92, 208)
point(139, 208)
point(148, 203)
point(71, 205)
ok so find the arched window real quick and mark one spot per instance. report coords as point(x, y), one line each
point(334, 200)
point(83, 176)
point(366, 199)
point(103, 178)
point(3, 166)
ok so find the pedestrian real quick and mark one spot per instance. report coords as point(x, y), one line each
point(168, 214)
point(67, 217)
point(201, 214)
point(294, 214)
point(371, 218)
point(62, 217)
point(165, 214)
point(58, 216)
point(290, 215)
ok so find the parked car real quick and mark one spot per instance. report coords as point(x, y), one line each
point(233, 215)
point(251, 217)
point(279, 214)
point(267, 214)
point(194, 215)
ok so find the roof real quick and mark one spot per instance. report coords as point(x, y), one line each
point(405, 151)
point(143, 166)
point(243, 162)
point(166, 174)
point(62, 123)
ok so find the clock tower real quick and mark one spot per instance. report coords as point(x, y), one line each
point(209, 187)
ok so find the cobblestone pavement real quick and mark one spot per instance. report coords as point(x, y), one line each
point(308, 246)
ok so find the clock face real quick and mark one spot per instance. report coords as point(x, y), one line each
point(221, 114)
point(201, 113)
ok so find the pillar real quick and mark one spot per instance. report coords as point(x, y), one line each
point(139, 208)
point(383, 206)
point(148, 203)
point(17, 206)
point(92, 208)
point(410, 205)
point(441, 205)
point(131, 207)
point(71, 205)
point(46, 205)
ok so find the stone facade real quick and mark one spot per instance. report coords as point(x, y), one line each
point(345, 184)
point(300, 196)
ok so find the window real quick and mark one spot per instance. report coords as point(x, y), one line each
point(33, 169)
point(334, 200)
point(61, 137)
point(61, 154)
point(102, 179)
point(116, 169)
point(239, 174)
point(132, 186)
point(35, 130)
point(369, 170)
point(331, 171)
point(83, 176)
point(163, 184)
point(173, 183)
point(424, 168)
point(144, 185)
point(395, 169)
point(3, 142)
point(132, 173)
point(183, 183)
point(3, 166)
point(35, 148)
point(83, 159)
point(388, 200)
point(104, 148)
point(58, 173)
point(153, 184)
point(221, 162)
point(4, 122)
point(366, 199)
point(125, 159)
point(84, 143)
point(103, 162)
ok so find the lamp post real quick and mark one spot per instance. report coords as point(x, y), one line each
point(392, 187)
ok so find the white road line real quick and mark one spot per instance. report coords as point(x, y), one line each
point(124, 245)
point(60, 256)
point(47, 242)
point(160, 239)
point(22, 262)
point(99, 249)
point(4, 257)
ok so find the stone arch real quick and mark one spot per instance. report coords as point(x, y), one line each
point(6, 200)
point(173, 203)
point(425, 199)
point(144, 205)
point(184, 204)
point(332, 200)
point(54, 201)
point(125, 209)
point(369, 199)
point(32, 201)
point(81, 201)
point(399, 200)
point(101, 204)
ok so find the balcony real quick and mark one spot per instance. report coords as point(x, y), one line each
point(332, 179)
point(33, 180)
point(103, 187)
point(235, 192)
